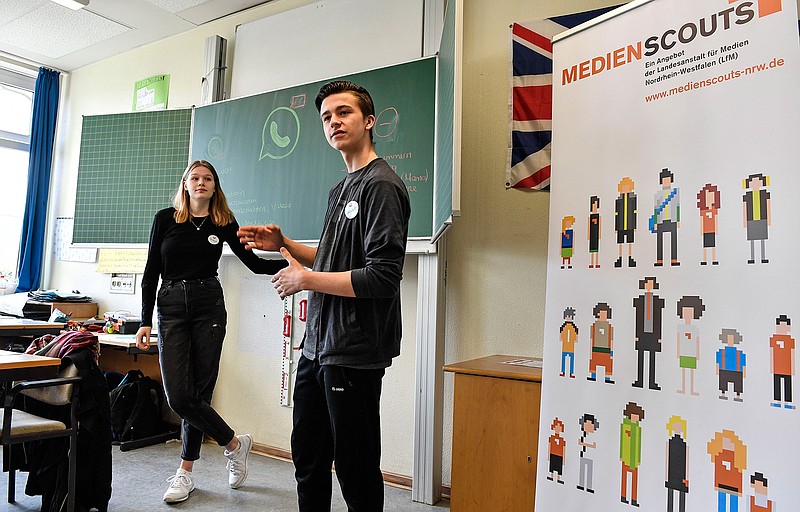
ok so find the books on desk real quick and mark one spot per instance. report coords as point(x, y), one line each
point(23, 305)
point(58, 296)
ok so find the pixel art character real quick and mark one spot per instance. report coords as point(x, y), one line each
point(708, 201)
point(757, 213)
point(567, 240)
point(690, 308)
point(555, 454)
point(781, 362)
point(589, 424)
point(649, 308)
point(568, 333)
point(729, 455)
point(731, 364)
point(666, 217)
point(630, 450)
point(602, 343)
point(625, 219)
point(594, 232)
point(759, 501)
point(677, 477)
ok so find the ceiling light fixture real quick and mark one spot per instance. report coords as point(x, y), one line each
point(73, 4)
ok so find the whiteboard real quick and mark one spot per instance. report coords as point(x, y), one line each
point(323, 40)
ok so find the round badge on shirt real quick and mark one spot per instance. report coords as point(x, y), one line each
point(213, 239)
point(351, 210)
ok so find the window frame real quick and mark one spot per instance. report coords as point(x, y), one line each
point(24, 80)
point(13, 140)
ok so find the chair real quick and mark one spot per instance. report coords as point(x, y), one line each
point(20, 426)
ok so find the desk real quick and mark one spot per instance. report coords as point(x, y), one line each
point(128, 342)
point(118, 359)
point(123, 346)
point(16, 366)
point(495, 433)
point(26, 327)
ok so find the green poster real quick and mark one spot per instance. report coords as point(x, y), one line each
point(151, 93)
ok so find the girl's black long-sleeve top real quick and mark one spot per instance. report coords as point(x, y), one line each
point(182, 251)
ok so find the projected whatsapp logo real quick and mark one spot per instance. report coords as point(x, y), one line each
point(280, 134)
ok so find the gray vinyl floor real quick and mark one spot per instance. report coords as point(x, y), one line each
point(139, 482)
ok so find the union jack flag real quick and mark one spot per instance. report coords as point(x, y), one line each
point(532, 98)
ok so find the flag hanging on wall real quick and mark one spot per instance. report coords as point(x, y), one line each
point(531, 98)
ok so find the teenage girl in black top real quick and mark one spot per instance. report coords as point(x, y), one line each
point(185, 248)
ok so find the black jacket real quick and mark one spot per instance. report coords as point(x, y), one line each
point(47, 460)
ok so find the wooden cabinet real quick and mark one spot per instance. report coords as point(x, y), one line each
point(42, 310)
point(495, 435)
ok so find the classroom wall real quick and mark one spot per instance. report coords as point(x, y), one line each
point(248, 391)
point(497, 249)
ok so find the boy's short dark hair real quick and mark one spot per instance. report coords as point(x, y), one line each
point(590, 418)
point(337, 86)
point(643, 282)
point(363, 98)
point(601, 306)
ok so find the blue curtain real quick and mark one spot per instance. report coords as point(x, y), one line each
point(43, 129)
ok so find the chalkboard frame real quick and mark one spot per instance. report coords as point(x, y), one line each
point(125, 217)
point(129, 167)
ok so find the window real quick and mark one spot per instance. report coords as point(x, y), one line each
point(16, 104)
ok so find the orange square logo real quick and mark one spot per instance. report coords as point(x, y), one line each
point(765, 7)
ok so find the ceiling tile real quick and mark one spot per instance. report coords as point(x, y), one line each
point(174, 6)
point(53, 31)
point(40, 32)
point(13, 9)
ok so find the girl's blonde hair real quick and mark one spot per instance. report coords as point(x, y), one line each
point(218, 209)
point(569, 219)
point(671, 424)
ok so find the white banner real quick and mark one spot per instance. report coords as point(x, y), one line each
point(669, 376)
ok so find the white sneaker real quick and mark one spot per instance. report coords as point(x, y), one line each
point(180, 485)
point(237, 461)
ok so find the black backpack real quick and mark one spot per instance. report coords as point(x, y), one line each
point(136, 406)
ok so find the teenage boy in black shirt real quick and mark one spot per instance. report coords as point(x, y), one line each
point(353, 328)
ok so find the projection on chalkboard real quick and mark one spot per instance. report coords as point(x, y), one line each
point(273, 144)
point(276, 166)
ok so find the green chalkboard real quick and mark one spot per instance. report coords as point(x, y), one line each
point(129, 168)
point(443, 195)
point(276, 167)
